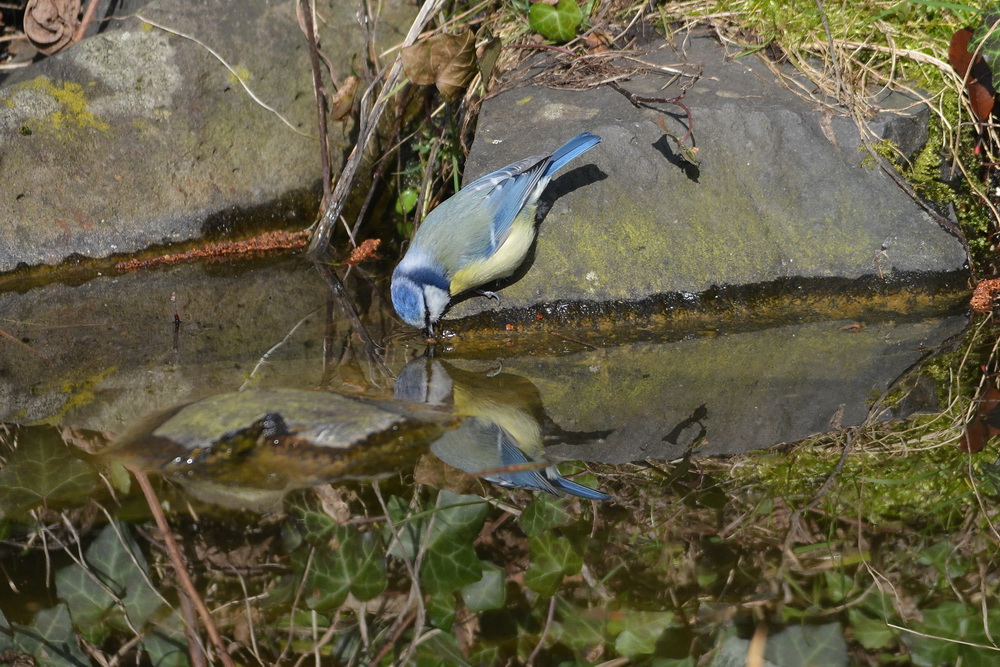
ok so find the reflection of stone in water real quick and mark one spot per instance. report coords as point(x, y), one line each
point(275, 440)
point(726, 394)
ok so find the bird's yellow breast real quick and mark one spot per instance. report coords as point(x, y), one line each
point(503, 262)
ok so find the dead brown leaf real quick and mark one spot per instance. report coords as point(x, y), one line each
point(447, 61)
point(342, 103)
point(51, 24)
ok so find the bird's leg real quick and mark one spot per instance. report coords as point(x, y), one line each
point(489, 295)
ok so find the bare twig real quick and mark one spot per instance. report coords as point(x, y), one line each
point(321, 234)
point(545, 631)
point(88, 18)
point(305, 8)
point(174, 553)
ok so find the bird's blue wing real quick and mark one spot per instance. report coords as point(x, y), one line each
point(505, 192)
point(516, 184)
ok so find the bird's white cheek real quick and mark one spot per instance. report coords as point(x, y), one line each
point(437, 300)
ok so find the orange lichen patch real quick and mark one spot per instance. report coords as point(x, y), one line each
point(982, 298)
point(364, 252)
point(269, 242)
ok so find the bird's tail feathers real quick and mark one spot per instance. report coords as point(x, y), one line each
point(579, 144)
point(573, 488)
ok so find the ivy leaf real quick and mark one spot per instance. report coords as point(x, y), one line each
point(44, 470)
point(578, 628)
point(809, 646)
point(352, 562)
point(490, 592)
point(452, 563)
point(543, 514)
point(872, 633)
point(986, 37)
point(441, 610)
point(115, 568)
point(49, 639)
point(640, 631)
point(558, 23)
point(552, 557)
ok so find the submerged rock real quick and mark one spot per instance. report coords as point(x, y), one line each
point(782, 190)
point(279, 439)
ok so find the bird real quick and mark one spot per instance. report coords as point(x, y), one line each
point(500, 437)
point(481, 233)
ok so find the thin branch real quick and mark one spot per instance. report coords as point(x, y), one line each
point(174, 553)
point(320, 242)
point(306, 8)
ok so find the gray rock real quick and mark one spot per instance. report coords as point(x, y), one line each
point(138, 136)
point(782, 191)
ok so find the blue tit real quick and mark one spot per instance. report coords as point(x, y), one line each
point(500, 439)
point(480, 234)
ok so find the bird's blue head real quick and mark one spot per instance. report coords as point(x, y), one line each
point(419, 294)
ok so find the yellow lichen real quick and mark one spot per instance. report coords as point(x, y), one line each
point(239, 73)
point(79, 392)
point(72, 113)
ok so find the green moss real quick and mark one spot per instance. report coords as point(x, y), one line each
point(79, 392)
point(881, 482)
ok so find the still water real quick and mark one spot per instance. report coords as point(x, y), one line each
point(546, 494)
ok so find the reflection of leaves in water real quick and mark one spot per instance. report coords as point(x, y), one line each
point(949, 623)
point(115, 568)
point(804, 645)
point(43, 470)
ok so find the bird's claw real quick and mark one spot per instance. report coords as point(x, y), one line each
point(490, 295)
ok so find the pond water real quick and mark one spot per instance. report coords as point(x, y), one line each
point(532, 491)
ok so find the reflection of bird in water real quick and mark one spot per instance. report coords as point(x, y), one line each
point(501, 439)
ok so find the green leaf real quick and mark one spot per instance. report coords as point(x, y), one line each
point(441, 610)
point(579, 629)
point(838, 585)
point(551, 557)
point(440, 648)
point(557, 23)
point(987, 34)
point(50, 639)
point(352, 562)
point(640, 631)
point(43, 470)
point(449, 560)
point(872, 633)
point(451, 564)
point(808, 646)
point(543, 514)
point(316, 527)
point(112, 583)
point(406, 201)
point(490, 592)
point(166, 645)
